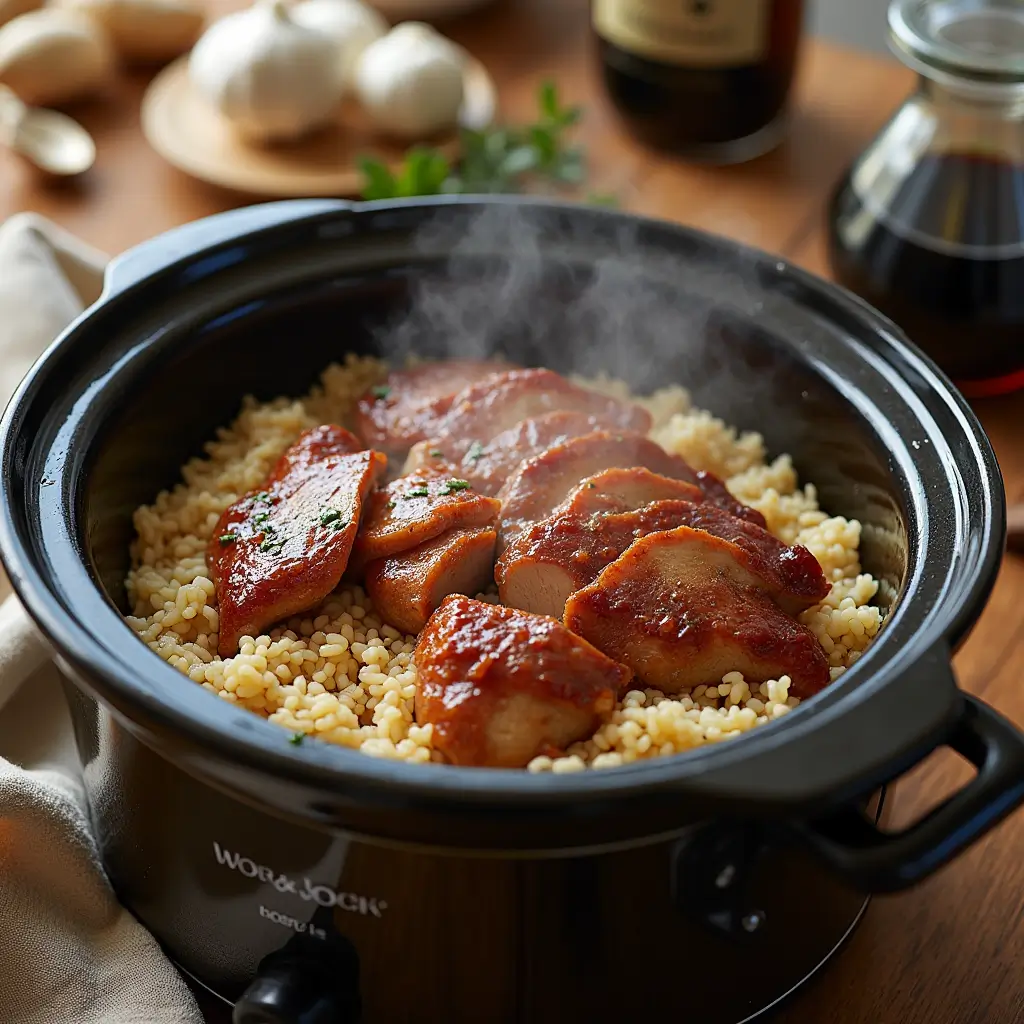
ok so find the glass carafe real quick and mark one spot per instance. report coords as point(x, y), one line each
point(928, 225)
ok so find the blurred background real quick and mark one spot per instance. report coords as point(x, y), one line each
point(859, 23)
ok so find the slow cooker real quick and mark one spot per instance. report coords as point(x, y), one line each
point(313, 883)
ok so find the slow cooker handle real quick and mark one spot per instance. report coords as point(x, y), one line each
point(876, 861)
point(161, 252)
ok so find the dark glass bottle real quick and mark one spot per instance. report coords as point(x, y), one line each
point(928, 225)
point(707, 79)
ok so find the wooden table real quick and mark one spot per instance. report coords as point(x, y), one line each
point(951, 951)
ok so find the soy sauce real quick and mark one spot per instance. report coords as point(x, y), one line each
point(706, 79)
point(944, 259)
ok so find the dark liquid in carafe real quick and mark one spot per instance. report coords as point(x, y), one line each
point(945, 261)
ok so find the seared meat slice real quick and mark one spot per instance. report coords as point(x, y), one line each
point(406, 588)
point(564, 553)
point(417, 508)
point(501, 686)
point(552, 559)
point(624, 490)
point(542, 483)
point(682, 608)
point(489, 407)
point(487, 466)
point(791, 576)
point(282, 550)
point(411, 403)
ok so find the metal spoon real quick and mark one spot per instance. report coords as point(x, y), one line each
point(54, 142)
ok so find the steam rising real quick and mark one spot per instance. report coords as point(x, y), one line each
point(580, 294)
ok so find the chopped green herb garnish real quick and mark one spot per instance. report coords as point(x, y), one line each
point(591, 485)
point(476, 449)
point(418, 492)
point(380, 391)
point(262, 496)
point(271, 544)
point(453, 485)
point(228, 538)
point(332, 518)
point(261, 517)
point(436, 453)
point(296, 738)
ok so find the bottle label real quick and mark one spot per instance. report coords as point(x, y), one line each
point(700, 33)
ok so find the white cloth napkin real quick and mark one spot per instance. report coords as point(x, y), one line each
point(69, 953)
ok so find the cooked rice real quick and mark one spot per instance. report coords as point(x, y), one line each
point(342, 675)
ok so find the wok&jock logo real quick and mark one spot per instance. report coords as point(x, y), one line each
point(308, 890)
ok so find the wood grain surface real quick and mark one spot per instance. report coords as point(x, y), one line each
point(951, 951)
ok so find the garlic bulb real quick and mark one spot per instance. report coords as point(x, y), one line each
point(145, 30)
point(411, 81)
point(51, 56)
point(351, 24)
point(273, 79)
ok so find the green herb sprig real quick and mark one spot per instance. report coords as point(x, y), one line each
point(498, 159)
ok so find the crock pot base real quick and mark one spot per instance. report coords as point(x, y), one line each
point(762, 1014)
point(723, 921)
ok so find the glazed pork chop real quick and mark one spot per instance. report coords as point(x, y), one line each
point(407, 588)
point(554, 558)
point(683, 608)
point(542, 483)
point(500, 686)
point(416, 508)
point(488, 466)
point(282, 550)
point(489, 407)
point(624, 490)
point(411, 403)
